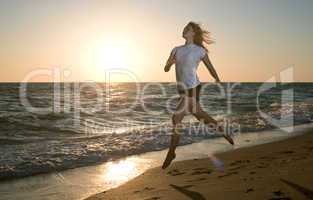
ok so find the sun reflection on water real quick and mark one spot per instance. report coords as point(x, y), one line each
point(115, 173)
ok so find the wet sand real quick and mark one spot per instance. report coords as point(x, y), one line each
point(278, 170)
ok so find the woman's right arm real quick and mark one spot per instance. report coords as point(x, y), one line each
point(170, 61)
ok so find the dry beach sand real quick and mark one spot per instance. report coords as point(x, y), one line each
point(278, 170)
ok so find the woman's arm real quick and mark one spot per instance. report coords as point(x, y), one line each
point(170, 61)
point(210, 67)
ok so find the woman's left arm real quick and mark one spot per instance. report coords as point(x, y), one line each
point(210, 67)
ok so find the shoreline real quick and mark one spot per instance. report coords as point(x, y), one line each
point(83, 182)
point(267, 171)
point(50, 168)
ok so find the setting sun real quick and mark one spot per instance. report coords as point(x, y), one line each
point(112, 54)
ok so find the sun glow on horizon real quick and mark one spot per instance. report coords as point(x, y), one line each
point(90, 37)
point(113, 53)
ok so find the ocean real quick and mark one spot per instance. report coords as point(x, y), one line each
point(48, 127)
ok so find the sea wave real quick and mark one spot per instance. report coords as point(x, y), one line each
point(33, 143)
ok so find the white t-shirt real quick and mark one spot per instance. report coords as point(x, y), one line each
point(187, 59)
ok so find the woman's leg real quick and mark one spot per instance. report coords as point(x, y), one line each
point(204, 117)
point(180, 113)
point(177, 117)
point(201, 115)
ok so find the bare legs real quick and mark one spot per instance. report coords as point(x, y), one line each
point(207, 119)
point(187, 104)
point(176, 119)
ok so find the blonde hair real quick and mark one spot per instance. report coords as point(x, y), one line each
point(202, 36)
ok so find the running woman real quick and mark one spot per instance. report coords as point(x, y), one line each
point(186, 59)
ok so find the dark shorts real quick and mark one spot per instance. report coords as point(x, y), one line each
point(192, 92)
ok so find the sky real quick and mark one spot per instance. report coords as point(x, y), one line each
point(83, 40)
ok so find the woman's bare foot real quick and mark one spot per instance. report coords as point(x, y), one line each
point(225, 129)
point(229, 139)
point(168, 160)
point(171, 152)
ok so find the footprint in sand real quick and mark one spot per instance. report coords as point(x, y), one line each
point(235, 168)
point(200, 168)
point(148, 188)
point(175, 172)
point(197, 180)
point(239, 162)
point(267, 158)
point(235, 163)
point(153, 198)
point(249, 190)
point(199, 171)
point(228, 174)
point(286, 152)
point(144, 189)
point(278, 193)
point(261, 165)
point(299, 158)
